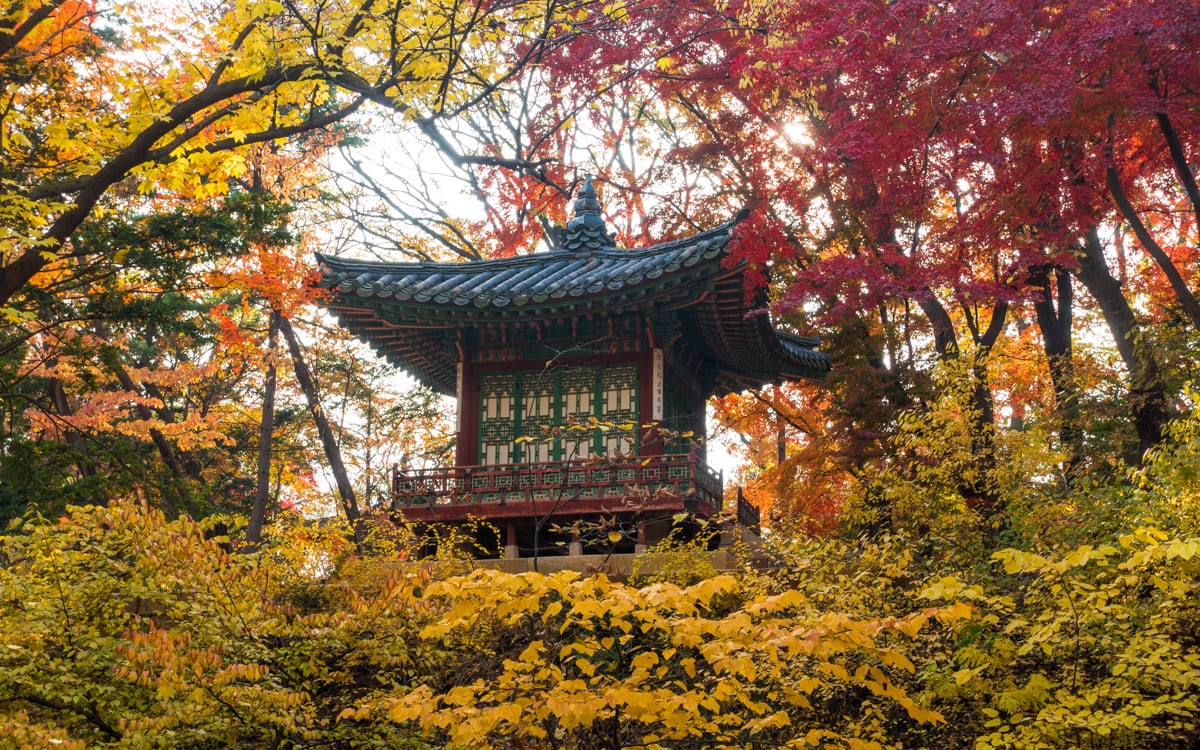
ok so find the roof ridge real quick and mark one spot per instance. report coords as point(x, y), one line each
point(345, 264)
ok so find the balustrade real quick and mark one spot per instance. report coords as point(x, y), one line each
point(678, 475)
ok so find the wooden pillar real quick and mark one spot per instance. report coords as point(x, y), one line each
point(651, 376)
point(511, 552)
point(466, 446)
point(640, 546)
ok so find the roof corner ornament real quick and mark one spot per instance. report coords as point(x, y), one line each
point(586, 230)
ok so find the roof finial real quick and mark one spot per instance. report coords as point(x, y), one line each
point(585, 200)
point(586, 230)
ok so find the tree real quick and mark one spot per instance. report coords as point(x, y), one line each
point(134, 352)
point(914, 156)
point(96, 96)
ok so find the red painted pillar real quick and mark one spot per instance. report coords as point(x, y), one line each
point(511, 552)
point(466, 446)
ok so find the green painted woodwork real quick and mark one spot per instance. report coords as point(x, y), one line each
point(553, 409)
point(681, 414)
point(497, 417)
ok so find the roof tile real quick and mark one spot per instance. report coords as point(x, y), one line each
point(592, 274)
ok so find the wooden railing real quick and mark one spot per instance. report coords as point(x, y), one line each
point(747, 513)
point(678, 475)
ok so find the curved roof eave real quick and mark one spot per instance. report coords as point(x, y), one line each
point(394, 306)
point(537, 278)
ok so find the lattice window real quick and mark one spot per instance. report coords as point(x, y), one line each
point(618, 404)
point(578, 395)
point(683, 415)
point(532, 404)
point(497, 418)
point(538, 415)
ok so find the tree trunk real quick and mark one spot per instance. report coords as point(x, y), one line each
point(1055, 326)
point(982, 419)
point(1147, 399)
point(332, 453)
point(266, 429)
point(945, 342)
point(1187, 300)
point(1180, 162)
point(60, 404)
point(165, 450)
point(189, 461)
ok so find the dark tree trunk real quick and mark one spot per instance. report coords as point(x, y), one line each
point(189, 461)
point(1187, 300)
point(982, 420)
point(165, 449)
point(266, 429)
point(1147, 399)
point(945, 342)
point(60, 404)
point(1180, 162)
point(1054, 322)
point(332, 453)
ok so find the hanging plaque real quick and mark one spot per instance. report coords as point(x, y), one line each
point(657, 412)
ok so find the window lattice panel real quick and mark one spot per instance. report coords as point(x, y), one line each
point(578, 395)
point(682, 416)
point(532, 403)
point(618, 391)
point(579, 386)
point(537, 416)
point(496, 418)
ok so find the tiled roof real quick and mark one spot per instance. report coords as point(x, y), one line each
point(533, 279)
point(408, 311)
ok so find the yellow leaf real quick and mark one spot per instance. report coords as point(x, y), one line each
point(896, 659)
point(689, 667)
point(1016, 561)
point(645, 660)
point(532, 652)
point(955, 612)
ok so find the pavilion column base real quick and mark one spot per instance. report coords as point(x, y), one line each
point(575, 548)
point(511, 552)
point(639, 549)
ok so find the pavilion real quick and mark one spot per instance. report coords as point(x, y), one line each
point(581, 376)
